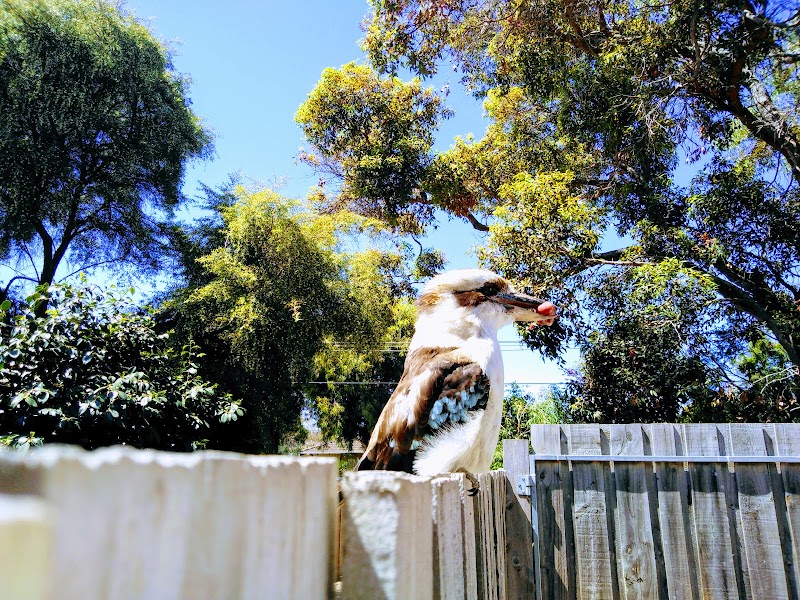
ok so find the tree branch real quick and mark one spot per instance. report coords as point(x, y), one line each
point(475, 223)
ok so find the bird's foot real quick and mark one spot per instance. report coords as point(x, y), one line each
point(476, 486)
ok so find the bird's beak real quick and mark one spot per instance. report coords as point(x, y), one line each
point(528, 308)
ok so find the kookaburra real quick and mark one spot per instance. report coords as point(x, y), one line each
point(444, 416)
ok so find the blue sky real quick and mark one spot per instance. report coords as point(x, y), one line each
point(251, 65)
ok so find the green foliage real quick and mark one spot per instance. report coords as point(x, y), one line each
point(595, 109)
point(278, 303)
point(769, 393)
point(521, 411)
point(374, 135)
point(95, 371)
point(95, 128)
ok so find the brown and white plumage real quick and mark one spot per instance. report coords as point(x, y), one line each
point(444, 415)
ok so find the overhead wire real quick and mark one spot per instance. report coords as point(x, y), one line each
point(519, 383)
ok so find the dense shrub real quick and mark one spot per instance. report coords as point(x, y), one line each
point(95, 371)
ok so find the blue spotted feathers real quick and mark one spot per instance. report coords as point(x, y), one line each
point(454, 406)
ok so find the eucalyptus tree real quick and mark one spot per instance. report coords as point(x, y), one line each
point(651, 149)
point(95, 131)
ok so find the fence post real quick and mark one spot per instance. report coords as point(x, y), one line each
point(449, 567)
point(520, 573)
point(387, 530)
point(24, 548)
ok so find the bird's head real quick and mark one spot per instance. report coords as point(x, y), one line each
point(480, 297)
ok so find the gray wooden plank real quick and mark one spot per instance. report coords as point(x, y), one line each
point(715, 552)
point(779, 498)
point(516, 464)
point(483, 548)
point(761, 545)
point(554, 509)
point(499, 512)
point(469, 536)
point(490, 515)
point(675, 517)
point(637, 573)
point(519, 577)
point(520, 582)
point(595, 578)
point(448, 542)
point(787, 443)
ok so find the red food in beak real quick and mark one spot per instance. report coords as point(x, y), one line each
point(547, 309)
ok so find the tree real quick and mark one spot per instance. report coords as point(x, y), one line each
point(362, 377)
point(521, 411)
point(95, 129)
point(593, 107)
point(94, 371)
point(637, 366)
point(769, 392)
point(373, 135)
point(278, 303)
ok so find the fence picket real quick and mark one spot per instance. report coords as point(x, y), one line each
point(25, 542)
point(556, 547)
point(164, 525)
point(468, 522)
point(637, 574)
point(388, 532)
point(787, 442)
point(760, 536)
point(595, 579)
point(675, 517)
point(715, 537)
point(448, 541)
point(520, 582)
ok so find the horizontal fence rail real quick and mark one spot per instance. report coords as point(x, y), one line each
point(670, 459)
point(665, 511)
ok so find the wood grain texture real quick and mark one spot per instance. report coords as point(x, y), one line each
point(787, 443)
point(594, 564)
point(468, 522)
point(520, 579)
point(761, 538)
point(638, 578)
point(520, 582)
point(714, 535)
point(448, 542)
point(556, 554)
point(676, 519)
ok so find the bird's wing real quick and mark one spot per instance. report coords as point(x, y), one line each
point(438, 386)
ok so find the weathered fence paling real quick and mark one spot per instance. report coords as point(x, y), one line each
point(128, 524)
point(142, 525)
point(666, 511)
point(413, 537)
point(615, 512)
point(25, 545)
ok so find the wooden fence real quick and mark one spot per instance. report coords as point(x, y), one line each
point(667, 512)
point(618, 512)
point(119, 524)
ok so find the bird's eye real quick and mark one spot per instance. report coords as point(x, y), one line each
point(489, 289)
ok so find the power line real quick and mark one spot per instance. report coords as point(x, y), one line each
point(519, 383)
